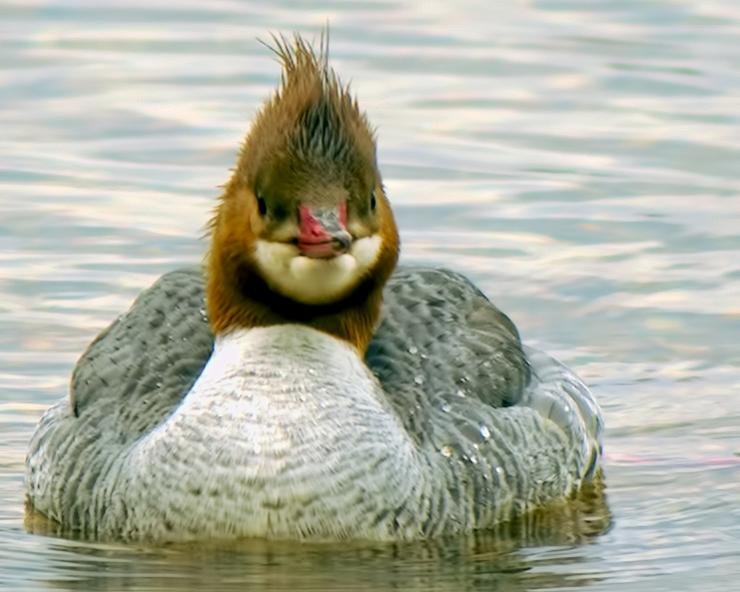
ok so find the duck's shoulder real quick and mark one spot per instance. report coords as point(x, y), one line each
point(441, 338)
point(440, 292)
point(149, 356)
point(438, 337)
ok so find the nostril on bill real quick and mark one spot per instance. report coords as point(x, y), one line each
point(342, 240)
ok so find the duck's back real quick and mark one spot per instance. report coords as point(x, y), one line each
point(499, 428)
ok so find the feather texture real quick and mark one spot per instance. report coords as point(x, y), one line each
point(448, 425)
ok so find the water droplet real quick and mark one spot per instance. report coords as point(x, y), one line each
point(419, 379)
point(413, 350)
point(312, 372)
point(484, 432)
point(446, 451)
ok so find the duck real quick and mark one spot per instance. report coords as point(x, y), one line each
point(302, 385)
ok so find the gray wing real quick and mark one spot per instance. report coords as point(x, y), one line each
point(439, 337)
point(146, 361)
point(441, 342)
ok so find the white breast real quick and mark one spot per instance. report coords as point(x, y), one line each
point(286, 433)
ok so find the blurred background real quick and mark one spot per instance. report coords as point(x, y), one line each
point(579, 159)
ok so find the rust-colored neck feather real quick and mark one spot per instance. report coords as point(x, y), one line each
point(238, 296)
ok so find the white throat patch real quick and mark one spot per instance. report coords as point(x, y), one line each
point(315, 281)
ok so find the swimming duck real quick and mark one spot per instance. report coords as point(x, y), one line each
point(299, 386)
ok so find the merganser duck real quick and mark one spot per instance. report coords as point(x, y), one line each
point(298, 387)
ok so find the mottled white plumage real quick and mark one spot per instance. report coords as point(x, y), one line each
point(287, 433)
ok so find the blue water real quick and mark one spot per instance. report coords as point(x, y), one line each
point(579, 159)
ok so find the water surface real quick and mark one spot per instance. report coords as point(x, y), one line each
point(579, 160)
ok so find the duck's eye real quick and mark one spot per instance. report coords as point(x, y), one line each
point(261, 204)
point(372, 201)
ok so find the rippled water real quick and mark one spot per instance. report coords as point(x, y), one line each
point(579, 159)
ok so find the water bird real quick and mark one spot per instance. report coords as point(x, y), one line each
point(301, 385)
